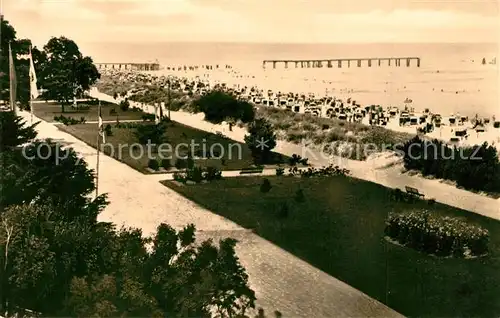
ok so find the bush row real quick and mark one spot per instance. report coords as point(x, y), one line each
point(474, 168)
point(297, 159)
point(69, 120)
point(438, 235)
point(198, 174)
point(315, 172)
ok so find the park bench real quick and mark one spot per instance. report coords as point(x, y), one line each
point(251, 170)
point(414, 192)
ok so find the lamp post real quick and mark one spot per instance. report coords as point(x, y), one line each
point(168, 95)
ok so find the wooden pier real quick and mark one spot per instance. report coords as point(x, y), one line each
point(129, 66)
point(359, 62)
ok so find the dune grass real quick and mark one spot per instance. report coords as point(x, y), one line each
point(296, 128)
point(339, 228)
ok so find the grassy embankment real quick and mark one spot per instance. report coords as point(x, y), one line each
point(340, 230)
point(233, 155)
point(89, 111)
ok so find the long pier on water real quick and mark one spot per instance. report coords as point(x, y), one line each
point(359, 62)
point(129, 66)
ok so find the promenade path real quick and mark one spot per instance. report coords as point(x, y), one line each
point(383, 169)
point(281, 281)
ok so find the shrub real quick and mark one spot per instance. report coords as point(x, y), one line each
point(283, 211)
point(179, 176)
point(443, 236)
point(198, 174)
point(322, 172)
point(280, 171)
point(153, 133)
point(194, 174)
point(219, 106)
point(69, 120)
point(260, 140)
point(294, 159)
point(165, 163)
point(397, 195)
point(107, 130)
point(212, 173)
point(153, 164)
point(181, 163)
point(190, 162)
point(148, 117)
point(299, 196)
point(265, 186)
point(475, 168)
point(124, 105)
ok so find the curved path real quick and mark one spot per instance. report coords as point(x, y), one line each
point(378, 170)
point(281, 281)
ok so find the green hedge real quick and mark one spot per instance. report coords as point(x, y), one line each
point(438, 235)
point(198, 174)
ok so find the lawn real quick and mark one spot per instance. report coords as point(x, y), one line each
point(339, 229)
point(47, 111)
point(234, 155)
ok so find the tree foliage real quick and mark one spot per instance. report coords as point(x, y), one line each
point(13, 131)
point(261, 139)
point(476, 167)
point(219, 106)
point(155, 134)
point(64, 71)
point(20, 48)
point(56, 259)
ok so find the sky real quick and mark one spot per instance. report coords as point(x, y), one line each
point(336, 21)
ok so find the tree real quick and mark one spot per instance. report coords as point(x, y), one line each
point(261, 139)
point(20, 47)
point(65, 71)
point(219, 106)
point(14, 132)
point(71, 268)
point(155, 134)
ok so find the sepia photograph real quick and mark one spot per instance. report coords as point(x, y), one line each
point(249, 158)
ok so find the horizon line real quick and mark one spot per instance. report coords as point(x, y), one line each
point(284, 42)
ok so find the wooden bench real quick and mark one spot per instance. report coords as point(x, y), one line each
point(251, 170)
point(414, 192)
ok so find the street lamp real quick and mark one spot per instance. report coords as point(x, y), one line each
point(168, 95)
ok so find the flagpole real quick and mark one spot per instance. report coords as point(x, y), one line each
point(31, 93)
point(98, 151)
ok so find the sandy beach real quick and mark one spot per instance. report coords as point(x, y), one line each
point(263, 83)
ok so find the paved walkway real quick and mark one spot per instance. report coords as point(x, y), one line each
point(377, 170)
point(281, 281)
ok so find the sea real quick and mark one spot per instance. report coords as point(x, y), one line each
point(451, 79)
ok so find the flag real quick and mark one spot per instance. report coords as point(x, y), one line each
point(33, 81)
point(157, 115)
point(101, 125)
point(13, 81)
